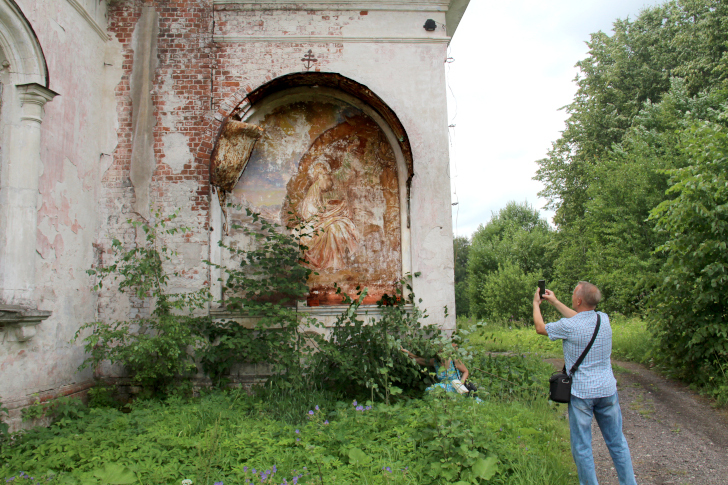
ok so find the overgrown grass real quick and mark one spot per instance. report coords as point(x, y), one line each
point(507, 337)
point(631, 340)
point(513, 437)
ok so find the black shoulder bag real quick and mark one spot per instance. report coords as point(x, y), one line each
point(560, 382)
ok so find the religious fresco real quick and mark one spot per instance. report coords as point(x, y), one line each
point(330, 165)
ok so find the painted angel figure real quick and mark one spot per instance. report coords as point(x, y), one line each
point(335, 233)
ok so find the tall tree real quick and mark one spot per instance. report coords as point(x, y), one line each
point(513, 247)
point(691, 303)
point(686, 39)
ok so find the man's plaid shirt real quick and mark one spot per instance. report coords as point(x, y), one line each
point(594, 377)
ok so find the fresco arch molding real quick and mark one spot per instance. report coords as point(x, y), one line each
point(301, 86)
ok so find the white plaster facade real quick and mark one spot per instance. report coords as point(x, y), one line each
point(66, 121)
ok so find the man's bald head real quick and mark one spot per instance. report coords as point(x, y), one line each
point(588, 293)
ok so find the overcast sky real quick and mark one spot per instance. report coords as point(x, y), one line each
point(513, 69)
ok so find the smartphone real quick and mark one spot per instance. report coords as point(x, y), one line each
point(541, 288)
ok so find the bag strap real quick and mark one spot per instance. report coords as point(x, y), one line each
point(457, 372)
point(586, 350)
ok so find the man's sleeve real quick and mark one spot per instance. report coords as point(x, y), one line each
point(558, 330)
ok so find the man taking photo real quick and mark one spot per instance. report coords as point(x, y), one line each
point(593, 386)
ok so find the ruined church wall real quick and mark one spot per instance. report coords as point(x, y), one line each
point(210, 55)
point(77, 138)
point(390, 53)
point(206, 57)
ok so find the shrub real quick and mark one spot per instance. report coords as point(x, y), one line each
point(4, 427)
point(265, 286)
point(508, 292)
point(224, 436)
point(363, 358)
point(153, 350)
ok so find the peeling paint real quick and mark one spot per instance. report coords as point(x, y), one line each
point(177, 151)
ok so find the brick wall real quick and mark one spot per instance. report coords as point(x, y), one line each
point(182, 141)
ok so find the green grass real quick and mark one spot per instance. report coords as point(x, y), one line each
point(631, 341)
point(513, 437)
point(504, 337)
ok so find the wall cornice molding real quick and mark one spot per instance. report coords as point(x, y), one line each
point(22, 321)
point(391, 5)
point(363, 311)
point(327, 39)
point(89, 19)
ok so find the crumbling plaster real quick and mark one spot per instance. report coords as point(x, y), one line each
point(77, 134)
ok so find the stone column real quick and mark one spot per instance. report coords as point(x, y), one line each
point(19, 195)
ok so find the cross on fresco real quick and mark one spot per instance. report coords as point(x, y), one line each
point(331, 165)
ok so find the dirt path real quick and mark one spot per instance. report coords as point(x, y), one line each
point(674, 435)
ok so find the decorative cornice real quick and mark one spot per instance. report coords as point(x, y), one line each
point(327, 39)
point(22, 319)
point(390, 5)
point(91, 21)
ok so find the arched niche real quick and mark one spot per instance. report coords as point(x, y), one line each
point(336, 160)
point(24, 84)
point(20, 47)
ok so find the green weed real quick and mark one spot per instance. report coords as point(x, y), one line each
point(233, 436)
point(502, 337)
point(631, 340)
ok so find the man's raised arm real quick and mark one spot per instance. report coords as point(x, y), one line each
point(537, 317)
point(563, 309)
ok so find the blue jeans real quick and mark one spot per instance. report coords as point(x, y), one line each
point(609, 419)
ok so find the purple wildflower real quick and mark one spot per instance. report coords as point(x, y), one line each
point(218, 483)
point(298, 432)
point(298, 439)
point(316, 408)
point(355, 403)
point(360, 408)
point(326, 422)
point(367, 408)
point(311, 412)
point(389, 469)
